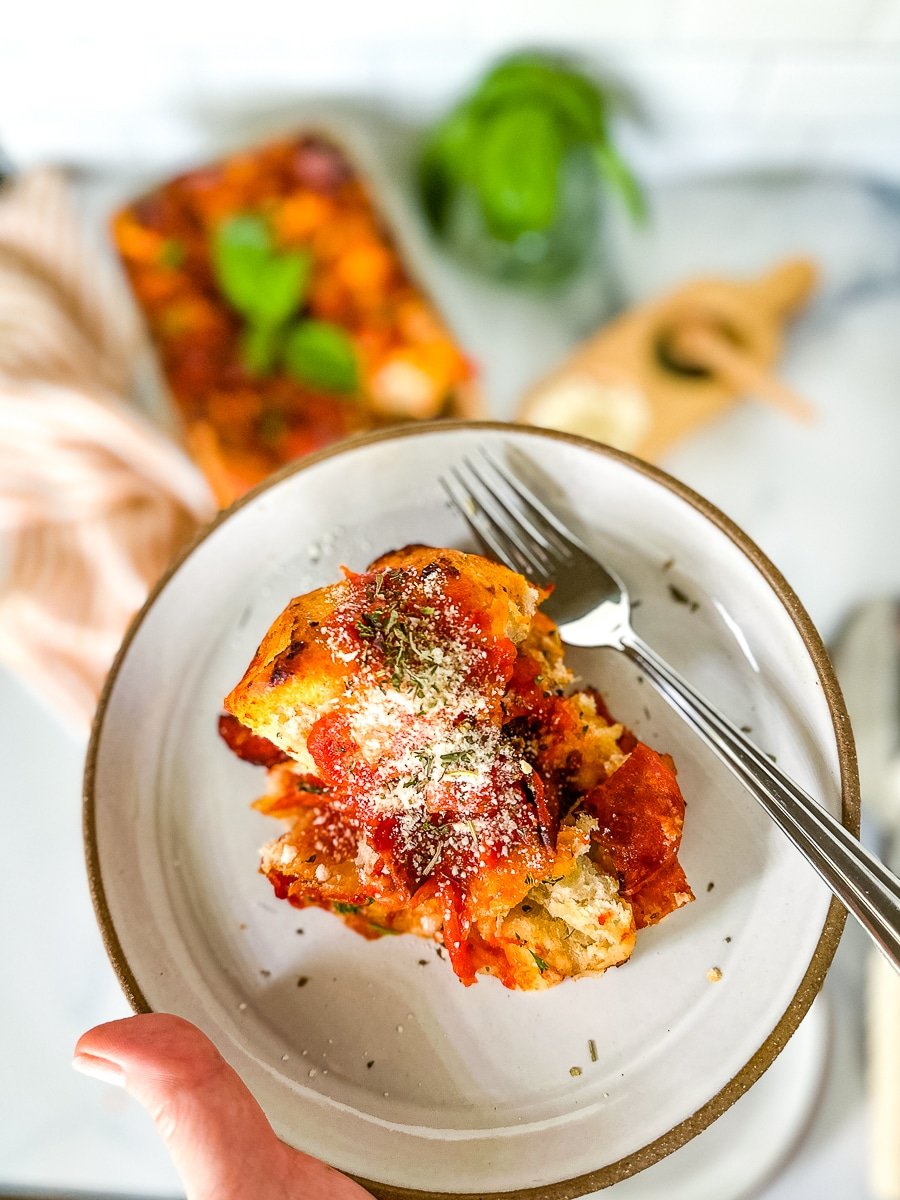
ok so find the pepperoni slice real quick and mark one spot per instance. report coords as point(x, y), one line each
point(665, 891)
point(456, 934)
point(641, 813)
point(249, 746)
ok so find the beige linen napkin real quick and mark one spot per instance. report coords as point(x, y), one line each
point(94, 501)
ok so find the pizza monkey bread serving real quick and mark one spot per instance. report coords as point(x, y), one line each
point(440, 774)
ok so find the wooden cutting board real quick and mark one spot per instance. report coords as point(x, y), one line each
point(665, 369)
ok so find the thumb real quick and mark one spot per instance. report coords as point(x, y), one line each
point(219, 1138)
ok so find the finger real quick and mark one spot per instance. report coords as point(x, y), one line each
point(218, 1136)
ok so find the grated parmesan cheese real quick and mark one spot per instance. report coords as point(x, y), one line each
point(421, 709)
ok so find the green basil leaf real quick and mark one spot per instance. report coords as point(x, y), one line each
point(436, 186)
point(321, 355)
point(283, 287)
point(619, 176)
point(259, 348)
point(446, 162)
point(576, 101)
point(520, 154)
point(262, 284)
point(241, 247)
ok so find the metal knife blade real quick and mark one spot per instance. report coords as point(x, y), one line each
point(867, 661)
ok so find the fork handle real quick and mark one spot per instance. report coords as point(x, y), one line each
point(860, 881)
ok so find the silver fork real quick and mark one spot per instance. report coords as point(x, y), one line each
point(591, 606)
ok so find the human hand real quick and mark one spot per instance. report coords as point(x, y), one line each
point(220, 1140)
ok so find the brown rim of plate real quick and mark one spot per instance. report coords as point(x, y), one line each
point(826, 946)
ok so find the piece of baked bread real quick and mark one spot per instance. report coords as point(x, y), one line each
point(439, 776)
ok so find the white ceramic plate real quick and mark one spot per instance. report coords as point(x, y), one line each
point(750, 1143)
point(382, 1063)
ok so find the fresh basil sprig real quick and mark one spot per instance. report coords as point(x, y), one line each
point(519, 156)
point(507, 143)
point(265, 285)
point(268, 287)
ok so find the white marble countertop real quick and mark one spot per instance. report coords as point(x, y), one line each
point(823, 503)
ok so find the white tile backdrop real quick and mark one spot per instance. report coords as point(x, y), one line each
point(712, 82)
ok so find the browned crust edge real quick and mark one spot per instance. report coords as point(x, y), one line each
point(834, 923)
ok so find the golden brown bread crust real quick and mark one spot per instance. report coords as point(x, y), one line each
point(295, 676)
point(292, 671)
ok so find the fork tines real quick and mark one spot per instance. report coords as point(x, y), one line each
point(508, 520)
